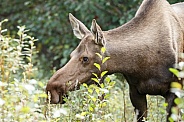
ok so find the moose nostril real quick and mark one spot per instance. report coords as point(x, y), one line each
point(59, 93)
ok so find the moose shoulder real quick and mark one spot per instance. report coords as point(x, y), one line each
point(142, 50)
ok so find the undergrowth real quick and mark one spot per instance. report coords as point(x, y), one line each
point(21, 95)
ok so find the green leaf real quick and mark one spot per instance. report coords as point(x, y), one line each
point(85, 85)
point(94, 99)
point(112, 83)
point(105, 59)
point(107, 96)
point(28, 58)
point(98, 54)
point(174, 71)
point(90, 91)
point(178, 101)
point(97, 91)
point(104, 104)
point(97, 66)
point(103, 73)
point(95, 75)
point(95, 79)
point(108, 79)
point(102, 85)
point(176, 85)
point(91, 109)
point(165, 104)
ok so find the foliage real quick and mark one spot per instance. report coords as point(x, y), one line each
point(21, 94)
point(178, 89)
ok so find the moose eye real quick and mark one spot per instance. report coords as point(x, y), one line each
point(85, 59)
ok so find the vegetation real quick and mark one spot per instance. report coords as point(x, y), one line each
point(27, 63)
point(21, 94)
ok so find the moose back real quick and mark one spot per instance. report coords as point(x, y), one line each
point(142, 50)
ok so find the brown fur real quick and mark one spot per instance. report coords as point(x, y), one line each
point(142, 50)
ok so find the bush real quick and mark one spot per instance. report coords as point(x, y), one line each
point(21, 97)
point(178, 89)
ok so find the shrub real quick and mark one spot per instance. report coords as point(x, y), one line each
point(178, 89)
point(21, 95)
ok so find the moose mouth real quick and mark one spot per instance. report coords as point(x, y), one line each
point(55, 97)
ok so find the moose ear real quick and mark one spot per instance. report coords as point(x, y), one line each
point(97, 33)
point(79, 29)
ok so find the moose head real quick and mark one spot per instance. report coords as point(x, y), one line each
point(80, 67)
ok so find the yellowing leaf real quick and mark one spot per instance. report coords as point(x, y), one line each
point(105, 59)
point(112, 83)
point(94, 79)
point(103, 73)
point(94, 99)
point(97, 91)
point(102, 85)
point(99, 55)
point(108, 79)
point(95, 75)
point(90, 108)
point(103, 50)
point(165, 104)
point(90, 91)
point(104, 104)
point(178, 101)
point(97, 66)
point(85, 85)
point(25, 109)
point(174, 71)
point(176, 85)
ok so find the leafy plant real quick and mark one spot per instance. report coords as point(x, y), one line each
point(21, 96)
point(178, 89)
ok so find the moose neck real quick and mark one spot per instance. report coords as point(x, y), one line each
point(122, 45)
point(138, 45)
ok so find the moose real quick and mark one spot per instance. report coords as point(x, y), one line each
point(142, 49)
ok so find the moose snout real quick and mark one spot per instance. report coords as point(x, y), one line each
point(55, 97)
